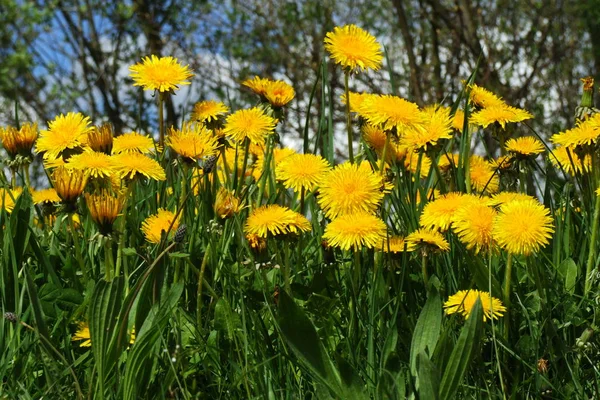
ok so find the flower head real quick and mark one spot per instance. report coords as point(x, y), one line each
point(130, 166)
point(65, 132)
point(101, 138)
point(585, 133)
point(8, 198)
point(45, 196)
point(436, 126)
point(349, 188)
point(353, 48)
point(411, 163)
point(83, 334)
point(160, 73)
point(501, 198)
point(483, 175)
point(439, 213)
point(19, 141)
point(253, 124)
point(524, 146)
point(570, 161)
point(501, 114)
point(356, 230)
point(193, 141)
point(208, 111)
point(522, 226)
point(356, 100)
point(428, 240)
point(463, 302)
point(94, 163)
point(104, 209)
point(275, 220)
point(154, 226)
point(226, 204)
point(257, 84)
point(279, 93)
point(458, 120)
point(69, 184)
point(396, 244)
point(133, 142)
point(474, 225)
point(390, 112)
point(302, 171)
point(484, 98)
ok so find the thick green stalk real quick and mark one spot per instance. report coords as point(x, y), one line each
point(107, 259)
point(424, 269)
point(75, 235)
point(161, 121)
point(590, 261)
point(385, 150)
point(348, 117)
point(507, 279)
point(200, 281)
point(467, 160)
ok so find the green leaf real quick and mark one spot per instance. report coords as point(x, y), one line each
point(463, 353)
point(570, 270)
point(225, 322)
point(427, 329)
point(429, 378)
point(302, 337)
point(128, 251)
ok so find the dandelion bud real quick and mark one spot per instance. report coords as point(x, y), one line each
point(11, 317)
point(101, 138)
point(180, 234)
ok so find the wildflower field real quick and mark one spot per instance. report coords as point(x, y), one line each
point(451, 252)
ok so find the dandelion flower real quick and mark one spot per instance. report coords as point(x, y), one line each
point(463, 302)
point(390, 112)
point(154, 226)
point(483, 176)
point(349, 188)
point(94, 163)
point(356, 230)
point(302, 171)
point(396, 244)
point(104, 209)
point(83, 334)
point(8, 198)
point(193, 141)
point(572, 164)
point(9, 140)
point(100, 138)
point(275, 220)
point(356, 99)
point(436, 126)
point(501, 198)
point(65, 132)
point(133, 142)
point(353, 48)
point(474, 224)
point(69, 184)
point(585, 133)
point(257, 84)
point(226, 204)
point(484, 98)
point(278, 156)
point(164, 74)
point(500, 114)
point(522, 227)
point(208, 111)
point(524, 146)
point(19, 141)
point(411, 163)
point(279, 93)
point(253, 124)
point(448, 160)
point(501, 163)
point(438, 214)
point(130, 166)
point(458, 120)
point(429, 240)
point(45, 196)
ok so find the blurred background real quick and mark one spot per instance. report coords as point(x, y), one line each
point(61, 56)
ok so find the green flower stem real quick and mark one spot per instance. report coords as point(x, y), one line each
point(266, 170)
point(75, 235)
point(302, 194)
point(348, 116)
point(26, 174)
point(243, 175)
point(590, 261)
point(507, 279)
point(385, 150)
point(467, 160)
point(424, 268)
point(107, 259)
point(200, 282)
point(161, 120)
point(225, 166)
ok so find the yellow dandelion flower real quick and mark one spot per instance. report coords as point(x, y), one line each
point(279, 156)
point(9, 140)
point(349, 188)
point(396, 244)
point(252, 124)
point(448, 161)
point(436, 126)
point(256, 243)
point(257, 84)
point(356, 230)
point(19, 141)
point(458, 120)
point(279, 93)
point(499, 114)
point(94, 163)
point(353, 48)
point(164, 74)
point(484, 98)
point(375, 138)
point(572, 164)
point(524, 146)
point(463, 302)
point(483, 176)
point(65, 132)
point(100, 138)
point(193, 141)
point(439, 213)
point(275, 220)
point(356, 100)
point(585, 133)
point(428, 240)
point(411, 163)
point(501, 198)
point(8, 198)
point(130, 166)
point(390, 112)
point(133, 142)
point(163, 221)
point(302, 171)
point(208, 111)
point(104, 209)
point(226, 204)
point(501, 163)
point(523, 226)
point(474, 225)
point(69, 183)
point(45, 196)
point(83, 334)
